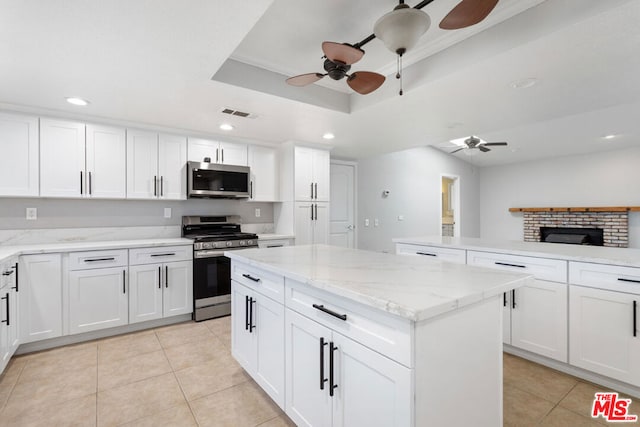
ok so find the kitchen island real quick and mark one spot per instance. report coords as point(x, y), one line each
point(344, 337)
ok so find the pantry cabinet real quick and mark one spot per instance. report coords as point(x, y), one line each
point(156, 166)
point(226, 153)
point(19, 162)
point(312, 171)
point(264, 182)
point(9, 316)
point(311, 223)
point(78, 161)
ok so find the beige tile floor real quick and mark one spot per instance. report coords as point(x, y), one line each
point(184, 375)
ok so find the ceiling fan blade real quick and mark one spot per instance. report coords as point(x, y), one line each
point(483, 148)
point(495, 144)
point(304, 79)
point(365, 82)
point(342, 52)
point(467, 13)
point(455, 151)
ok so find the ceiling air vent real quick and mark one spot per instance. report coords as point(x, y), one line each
point(238, 113)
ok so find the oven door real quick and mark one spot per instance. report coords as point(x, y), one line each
point(211, 278)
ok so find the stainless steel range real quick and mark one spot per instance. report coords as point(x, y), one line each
point(212, 235)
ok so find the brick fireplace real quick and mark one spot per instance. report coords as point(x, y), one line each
point(614, 224)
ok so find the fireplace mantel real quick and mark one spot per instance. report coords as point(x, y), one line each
point(579, 209)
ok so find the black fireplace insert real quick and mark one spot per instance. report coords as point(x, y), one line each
point(574, 236)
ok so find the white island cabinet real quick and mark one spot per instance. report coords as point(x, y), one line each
point(370, 338)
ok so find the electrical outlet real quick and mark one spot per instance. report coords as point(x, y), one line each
point(376, 223)
point(167, 212)
point(366, 222)
point(400, 217)
point(257, 212)
point(32, 213)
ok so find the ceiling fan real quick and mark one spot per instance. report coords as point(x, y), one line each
point(475, 143)
point(399, 29)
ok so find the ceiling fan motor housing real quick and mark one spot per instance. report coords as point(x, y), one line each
point(336, 70)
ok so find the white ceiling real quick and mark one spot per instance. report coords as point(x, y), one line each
point(151, 62)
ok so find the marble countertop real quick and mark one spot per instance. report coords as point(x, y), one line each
point(9, 251)
point(410, 287)
point(271, 236)
point(597, 254)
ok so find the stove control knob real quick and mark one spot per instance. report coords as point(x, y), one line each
point(229, 244)
point(249, 242)
point(243, 243)
point(207, 245)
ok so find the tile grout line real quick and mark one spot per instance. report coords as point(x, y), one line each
point(4, 405)
point(558, 403)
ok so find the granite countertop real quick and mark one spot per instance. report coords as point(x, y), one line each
point(412, 288)
point(597, 254)
point(271, 236)
point(9, 251)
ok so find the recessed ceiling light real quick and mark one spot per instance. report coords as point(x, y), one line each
point(77, 101)
point(226, 126)
point(610, 136)
point(328, 135)
point(523, 83)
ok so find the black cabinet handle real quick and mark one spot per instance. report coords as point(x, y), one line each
point(80, 182)
point(167, 254)
point(7, 273)
point(316, 211)
point(15, 267)
point(251, 325)
point(635, 307)
point(161, 185)
point(311, 211)
point(331, 312)
point(159, 277)
point(124, 281)
point(216, 155)
point(166, 276)
point(222, 150)
point(250, 277)
point(312, 191)
point(510, 265)
point(628, 280)
point(316, 186)
point(99, 259)
point(513, 298)
point(504, 299)
point(332, 384)
point(246, 312)
point(6, 298)
point(251, 189)
point(89, 182)
point(322, 378)
point(155, 185)
point(425, 253)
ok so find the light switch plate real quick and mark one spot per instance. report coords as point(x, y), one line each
point(32, 214)
point(167, 212)
point(257, 212)
point(366, 222)
point(376, 222)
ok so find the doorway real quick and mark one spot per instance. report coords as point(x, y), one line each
point(342, 214)
point(450, 206)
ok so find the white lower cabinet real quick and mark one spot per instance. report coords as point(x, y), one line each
point(98, 299)
point(258, 339)
point(335, 381)
point(160, 290)
point(604, 332)
point(311, 223)
point(8, 312)
point(40, 303)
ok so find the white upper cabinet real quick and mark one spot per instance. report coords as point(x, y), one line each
point(78, 161)
point(106, 158)
point(228, 153)
point(312, 169)
point(62, 158)
point(263, 162)
point(156, 166)
point(19, 160)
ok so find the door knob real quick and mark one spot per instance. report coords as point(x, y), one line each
point(350, 227)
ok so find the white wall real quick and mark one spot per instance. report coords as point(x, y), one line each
point(596, 179)
point(414, 179)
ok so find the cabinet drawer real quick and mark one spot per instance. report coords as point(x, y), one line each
point(278, 243)
point(542, 268)
point(266, 283)
point(97, 259)
point(160, 254)
point(611, 277)
point(435, 252)
point(385, 333)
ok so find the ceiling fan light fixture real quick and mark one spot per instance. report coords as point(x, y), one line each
point(401, 28)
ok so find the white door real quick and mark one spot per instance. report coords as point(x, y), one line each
point(602, 333)
point(321, 223)
point(233, 154)
point(62, 159)
point(19, 168)
point(198, 149)
point(243, 342)
point(172, 163)
point(539, 319)
point(268, 319)
point(98, 299)
point(106, 162)
point(142, 164)
point(306, 366)
point(263, 162)
point(342, 209)
point(40, 297)
point(145, 292)
point(178, 288)
point(321, 175)
point(303, 164)
point(372, 390)
point(304, 223)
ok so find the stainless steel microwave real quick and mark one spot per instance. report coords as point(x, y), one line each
point(217, 181)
